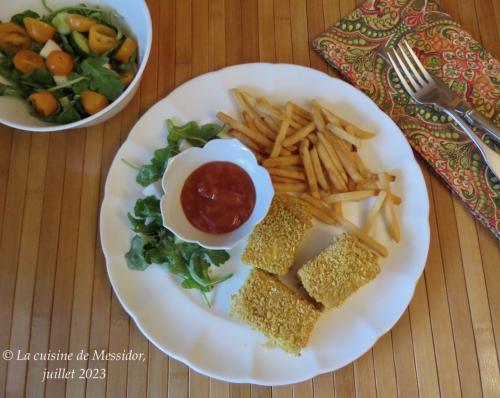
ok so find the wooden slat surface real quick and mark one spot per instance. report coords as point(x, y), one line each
point(54, 291)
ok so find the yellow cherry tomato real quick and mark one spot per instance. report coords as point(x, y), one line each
point(44, 103)
point(126, 50)
point(80, 23)
point(38, 30)
point(93, 102)
point(13, 38)
point(60, 63)
point(26, 60)
point(101, 38)
point(127, 77)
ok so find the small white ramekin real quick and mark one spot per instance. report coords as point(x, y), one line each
point(180, 167)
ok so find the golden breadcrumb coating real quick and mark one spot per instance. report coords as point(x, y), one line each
point(281, 314)
point(273, 243)
point(338, 271)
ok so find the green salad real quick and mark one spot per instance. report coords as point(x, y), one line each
point(155, 244)
point(68, 64)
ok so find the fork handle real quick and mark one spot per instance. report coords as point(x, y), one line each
point(477, 119)
point(491, 158)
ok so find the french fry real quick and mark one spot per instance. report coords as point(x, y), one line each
point(340, 133)
point(331, 170)
point(292, 160)
point(348, 127)
point(372, 215)
point(393, 223)
point(237, 125)
point(317, 116)
point(360, 165)
point(271, 123)
point(265, 107)
point(313, 138)
point(299, 134)
point(337, 209)
point(290, 187)
point(299, 119)
point(308, 167)
point(296, 175)
point(395, 199)
point(263, 128)
point(343, 153)
point(301, 111)
point(350, 196)
point(335, 159)
point(284, 180)
point(319, 170)
point(245, 140)
point(363, 237)
point(293, 168)
point(319, 212)
point(356, 131)
point(281, 134)
point(390, 177)
point(242, 104)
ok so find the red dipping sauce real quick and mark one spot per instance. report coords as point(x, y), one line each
point(218, 197)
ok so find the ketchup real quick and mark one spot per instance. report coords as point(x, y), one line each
point(218, 197)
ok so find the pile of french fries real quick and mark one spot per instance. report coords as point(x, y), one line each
point(313, 155)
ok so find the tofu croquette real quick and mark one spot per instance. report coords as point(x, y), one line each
point(272, 308)
point(338, 271)
point(274, 241)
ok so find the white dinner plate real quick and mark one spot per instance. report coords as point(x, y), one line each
point(179, 323)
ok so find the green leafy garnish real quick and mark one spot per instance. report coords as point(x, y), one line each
point(191, 132)
point(154, 244)
point(10, 91)
point(102, 80)
point(18, 18)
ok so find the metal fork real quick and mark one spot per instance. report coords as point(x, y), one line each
point(424, 89)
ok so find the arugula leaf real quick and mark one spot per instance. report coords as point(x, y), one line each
point(152, 172)
point(10, 91)
point(102, 80)
point(7, 70)
point(147, 207)
point(38, 79)
point(18, 18)
point(131, 64)
point(194, 134)
point(154, 244)
point(135, 258)
point(217, 257)
point(63, 116)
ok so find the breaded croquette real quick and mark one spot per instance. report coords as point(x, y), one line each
point(273, 242)
point(338, 271)
point(281, 314)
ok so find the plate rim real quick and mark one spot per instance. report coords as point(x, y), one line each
point(306, 375)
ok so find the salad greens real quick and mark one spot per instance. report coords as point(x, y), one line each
point(103, 70)
point(155, 244)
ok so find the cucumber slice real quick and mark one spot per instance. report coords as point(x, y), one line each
point(80, 43)
point(65, 102)
point(60, 21)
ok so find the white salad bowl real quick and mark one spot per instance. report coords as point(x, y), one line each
point(180, 167)
point(15, 112)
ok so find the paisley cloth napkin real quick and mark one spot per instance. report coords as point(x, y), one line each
point(450, 53)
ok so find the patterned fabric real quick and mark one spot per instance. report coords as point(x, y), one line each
point(450, 53)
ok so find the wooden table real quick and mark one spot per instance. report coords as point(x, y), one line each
point(54, 291)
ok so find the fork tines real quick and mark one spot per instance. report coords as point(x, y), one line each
point(408, 67)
